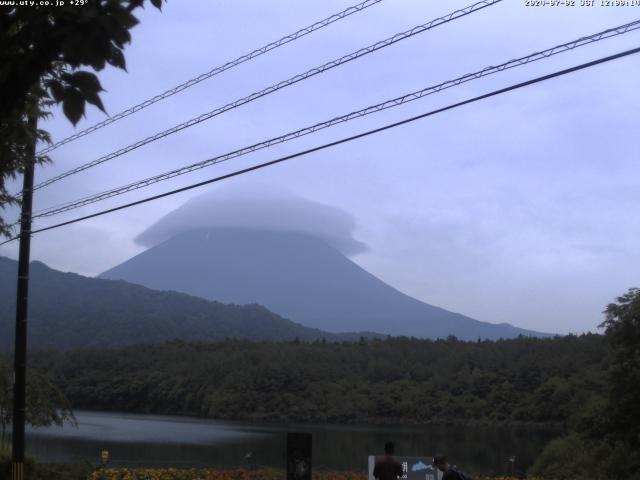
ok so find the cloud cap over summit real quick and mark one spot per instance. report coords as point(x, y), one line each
point(262, 208)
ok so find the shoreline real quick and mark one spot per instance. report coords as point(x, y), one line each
point(320, 423)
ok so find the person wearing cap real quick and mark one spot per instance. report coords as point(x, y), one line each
point(388, 468)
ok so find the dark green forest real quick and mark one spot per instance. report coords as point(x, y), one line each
point(373, 381)
point(588, 385)
point(602, 438)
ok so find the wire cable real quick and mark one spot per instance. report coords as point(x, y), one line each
point(278, 86)
point(619, 30)
point(215, 71)
point(344, 140)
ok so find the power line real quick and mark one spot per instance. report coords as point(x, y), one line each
point(343, 140)
point(215, 71)
point(619, 30)
point(273, 88)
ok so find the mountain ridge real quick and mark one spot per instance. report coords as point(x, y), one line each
point(298, 276)
point(67, 310)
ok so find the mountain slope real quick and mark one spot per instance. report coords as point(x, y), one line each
point(298, 276)
point(71, 311)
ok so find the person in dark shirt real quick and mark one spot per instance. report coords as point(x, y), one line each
point(388, 468)
point(449, 473)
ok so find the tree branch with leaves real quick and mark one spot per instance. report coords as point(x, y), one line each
point(46, 404)
point(43, 55)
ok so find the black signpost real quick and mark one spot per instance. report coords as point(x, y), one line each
point(299, 449)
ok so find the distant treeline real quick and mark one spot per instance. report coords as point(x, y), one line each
point(374, 381)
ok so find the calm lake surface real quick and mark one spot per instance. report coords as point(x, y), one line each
point(153, 440)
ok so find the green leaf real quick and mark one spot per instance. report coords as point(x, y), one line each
point(86, 82)
point(94, 99)
point(72, 51)
point(73, 105)
point(117, 58)
point(119, 33)
point(124, 17)
point(135, 4)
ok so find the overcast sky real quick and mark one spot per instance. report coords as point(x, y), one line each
point(519, 209)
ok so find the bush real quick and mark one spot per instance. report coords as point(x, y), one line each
point(563, 458)
point(573, 457)
point(34, 470)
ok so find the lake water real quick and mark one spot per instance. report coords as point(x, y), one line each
point(153, 440)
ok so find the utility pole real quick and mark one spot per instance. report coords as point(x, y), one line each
point(22, 301)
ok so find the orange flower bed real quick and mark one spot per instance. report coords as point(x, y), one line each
point(211, 474)
point(235, 474)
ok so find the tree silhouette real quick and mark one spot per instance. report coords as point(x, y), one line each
point(42, 52)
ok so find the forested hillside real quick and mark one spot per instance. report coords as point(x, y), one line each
point(393, 380)
point(71, 311)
